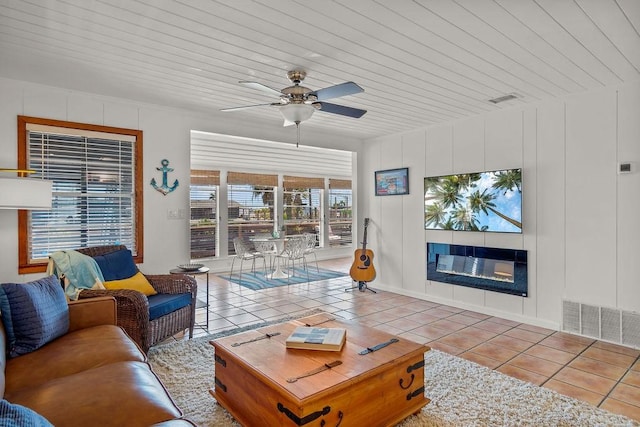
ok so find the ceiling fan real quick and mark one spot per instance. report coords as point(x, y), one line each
point(297, 103)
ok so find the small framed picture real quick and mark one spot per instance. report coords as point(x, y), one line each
point(392, 182)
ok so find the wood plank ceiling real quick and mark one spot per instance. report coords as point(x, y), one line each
point(420, 62)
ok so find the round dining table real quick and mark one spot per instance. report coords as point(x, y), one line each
point(278, 243)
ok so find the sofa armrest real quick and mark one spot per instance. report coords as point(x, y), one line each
point(92, 312)
point(132, 311)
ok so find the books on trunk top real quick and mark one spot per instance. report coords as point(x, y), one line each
point(314, 338)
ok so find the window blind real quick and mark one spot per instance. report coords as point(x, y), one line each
point(339, 183)
point(205, 177)
point(293, 182)
point(239, 178)
point(94, 199)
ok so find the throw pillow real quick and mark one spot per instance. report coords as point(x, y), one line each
point(33, 314)
point(117, 265)
point(137, 283)
point(13, 415)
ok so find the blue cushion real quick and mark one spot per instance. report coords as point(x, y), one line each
point(117, 265)
point(12, 415)
point(162, 304)
point(33, 314)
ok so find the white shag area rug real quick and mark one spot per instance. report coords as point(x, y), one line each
point(462, 393)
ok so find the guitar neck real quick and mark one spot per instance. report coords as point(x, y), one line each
point(364, 236)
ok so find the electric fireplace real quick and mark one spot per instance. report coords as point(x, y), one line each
point(491, 269)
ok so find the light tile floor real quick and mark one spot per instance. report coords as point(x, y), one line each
point(603, 374)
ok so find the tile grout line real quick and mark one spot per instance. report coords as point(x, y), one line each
point(620, 381)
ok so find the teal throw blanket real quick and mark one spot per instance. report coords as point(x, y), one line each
point(78, 271)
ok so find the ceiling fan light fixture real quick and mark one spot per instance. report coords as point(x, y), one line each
point(297, 113)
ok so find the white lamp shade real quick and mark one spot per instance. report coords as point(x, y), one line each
point(25, 193)
point(293, 113)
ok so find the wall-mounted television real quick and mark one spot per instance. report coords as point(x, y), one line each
point(392, 182)
point(481, 201)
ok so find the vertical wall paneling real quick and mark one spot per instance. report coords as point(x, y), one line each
point(439, 290)
point(10, 107)
point(503, 302)
point(591, 197)
point(628, 207)
point(164, 138)
point(468, 145)
point(468, 156)
point(358, 190)
point(579, 214)
point(550, 209)
point(388, 228)
point(439, 151)
point(503, 150)
point(413, 154)
point(504, 240)
point(372, 204)
point(529, 205)
point(49, 103)
point(503, 140)
point(438, 161)
point(84, 108)
point(469, 238)
point(123, 115)
point(470, 296)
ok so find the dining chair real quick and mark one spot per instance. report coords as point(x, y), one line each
point(310, 248)
point(293, 251)
point(267, 249)
point(244, 253)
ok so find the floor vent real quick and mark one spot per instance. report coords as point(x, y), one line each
point(607, 324)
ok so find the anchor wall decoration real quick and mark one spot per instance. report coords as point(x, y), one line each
point(164, 188)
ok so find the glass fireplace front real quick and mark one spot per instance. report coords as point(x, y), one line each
point(492, 269)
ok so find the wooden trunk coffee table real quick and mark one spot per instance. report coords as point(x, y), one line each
point(375, 388)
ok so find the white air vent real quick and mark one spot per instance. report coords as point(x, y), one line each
point(504, 98)
point(631, 329)
point(610, 324)
point(571, 317)
point(607, 324)
point(590, 320)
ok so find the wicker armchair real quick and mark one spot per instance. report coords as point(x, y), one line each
point(133, 306)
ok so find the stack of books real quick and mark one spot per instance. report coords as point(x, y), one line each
point(313, 338)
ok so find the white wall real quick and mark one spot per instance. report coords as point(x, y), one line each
point(166, 135)
point(580, 217)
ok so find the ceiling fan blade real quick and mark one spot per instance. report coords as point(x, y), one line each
point(343, 89)
point(248, 106)
point(341, 109)
point(261, 87)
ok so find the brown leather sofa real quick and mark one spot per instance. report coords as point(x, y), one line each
point(93, 375)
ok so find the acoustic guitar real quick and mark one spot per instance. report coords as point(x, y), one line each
point(362, 269)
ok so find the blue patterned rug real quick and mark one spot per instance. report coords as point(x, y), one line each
point(257, 280)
